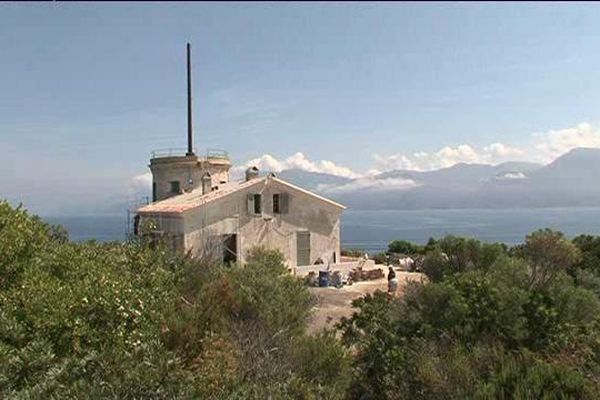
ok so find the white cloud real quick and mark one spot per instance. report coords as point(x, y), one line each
point(142, 181)
point(509, 176)
point(555, 143)
point(371, 183)
point(394, 161)
point(448, 156)
point(138, 187)
point(296, 161)
point(499, 150)
point(541, 147)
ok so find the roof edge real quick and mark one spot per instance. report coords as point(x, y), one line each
point(184, 209)
point(308, 192)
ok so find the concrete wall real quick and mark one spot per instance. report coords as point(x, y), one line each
point(182, 169)
point(230, 215)
point(166, 227)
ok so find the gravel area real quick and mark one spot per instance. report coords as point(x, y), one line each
point(333, 304)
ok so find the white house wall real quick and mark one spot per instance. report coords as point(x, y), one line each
point(229, 215)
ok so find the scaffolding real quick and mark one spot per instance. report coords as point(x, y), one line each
point(132, 208)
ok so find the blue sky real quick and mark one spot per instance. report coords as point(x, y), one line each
point(88, 90)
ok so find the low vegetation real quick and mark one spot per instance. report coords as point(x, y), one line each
point(132, 320)
point(492, 323)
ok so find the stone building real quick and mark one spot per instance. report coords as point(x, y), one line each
point(195, 208)
point(237, 216)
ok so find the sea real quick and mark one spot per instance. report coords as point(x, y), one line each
point(373, 230)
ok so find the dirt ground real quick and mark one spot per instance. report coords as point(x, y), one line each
point(333, 304)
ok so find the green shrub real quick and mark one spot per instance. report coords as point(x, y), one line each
point(485, 326)
point(404, 247)
point(132, 320)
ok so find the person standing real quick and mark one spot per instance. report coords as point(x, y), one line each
point(392, 281)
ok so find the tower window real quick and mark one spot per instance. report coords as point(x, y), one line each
point(175, 188)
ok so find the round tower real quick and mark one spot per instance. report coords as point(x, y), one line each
point(175, 173)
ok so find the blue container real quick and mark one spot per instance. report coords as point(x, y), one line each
point(323, 278)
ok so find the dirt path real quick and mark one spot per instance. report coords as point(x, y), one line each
point(333, 304)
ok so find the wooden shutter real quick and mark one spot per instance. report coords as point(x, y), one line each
point(251, 204)
point(276, 203)
point(303, 248)
point(257, 204)
point(284, 201)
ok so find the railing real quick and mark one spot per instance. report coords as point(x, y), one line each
point(179, 152)
point(170, 152)
point(217, 153)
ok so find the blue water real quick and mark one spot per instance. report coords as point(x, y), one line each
point(101, 228)
point(372, 230)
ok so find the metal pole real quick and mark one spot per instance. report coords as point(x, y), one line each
point(190, 150)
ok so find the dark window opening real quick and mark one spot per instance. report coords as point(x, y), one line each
point(334, 258)
point(175, 188)
point(136, 225)
point(153, 191)
point(276, 208)
point(257, 205)
point(229, 249)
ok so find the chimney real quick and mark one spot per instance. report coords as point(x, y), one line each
point(206, 183)
point(251, 173)
point(190, 149)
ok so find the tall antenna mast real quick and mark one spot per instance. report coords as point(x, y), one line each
point(190, 149)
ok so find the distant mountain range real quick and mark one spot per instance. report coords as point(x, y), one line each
point(572, 180)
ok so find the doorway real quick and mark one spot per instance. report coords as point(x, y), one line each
point(302, 248)
point(230, 249)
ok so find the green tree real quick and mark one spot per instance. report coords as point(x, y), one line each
point(549, 255)
point(133, 320)
point(403, 247)
point(478, 329)
point(589, 247)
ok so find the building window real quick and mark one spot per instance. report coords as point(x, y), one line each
point(280, 203)
point(175, 188)
point(257, 205)
point(276, 209)
point(254, 204)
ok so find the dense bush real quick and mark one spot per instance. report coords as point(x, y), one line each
point(404, 247)
point(589, 247)
point(487, 325)
point(356, 253)
point(132, 320)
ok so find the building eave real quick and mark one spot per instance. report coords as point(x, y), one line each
point(309, 193)
point(188, 201)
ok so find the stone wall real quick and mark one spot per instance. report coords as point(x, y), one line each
point(230, 215)
point(188, 171)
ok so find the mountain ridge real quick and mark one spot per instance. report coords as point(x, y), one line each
point(568, 181)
